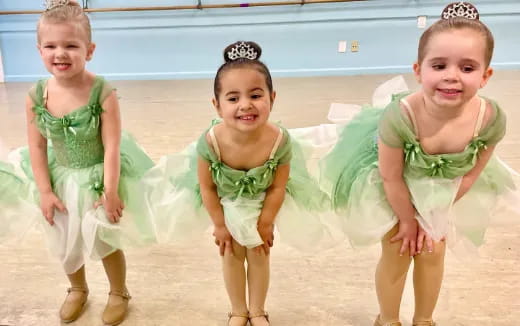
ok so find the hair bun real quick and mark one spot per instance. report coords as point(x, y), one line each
point(242, 50)
point(460, 9)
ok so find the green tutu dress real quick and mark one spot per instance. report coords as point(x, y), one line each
point(304, 221)
point(75, 160)
point(350, 174)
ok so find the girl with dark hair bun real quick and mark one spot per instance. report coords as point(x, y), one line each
point(248, 174)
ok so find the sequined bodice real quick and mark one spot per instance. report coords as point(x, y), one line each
point(75, 137)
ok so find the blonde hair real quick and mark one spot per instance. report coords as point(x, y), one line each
point(457, 23)
point(69, 12)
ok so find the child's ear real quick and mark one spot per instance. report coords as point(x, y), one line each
point(216, 105)
point(90, 50)
point(487, 74)
point(39, 48)
point(273, 97)
point(417, 71)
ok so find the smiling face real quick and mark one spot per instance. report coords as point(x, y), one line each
point(64, 48)
point(244, 102)
point(454, 67)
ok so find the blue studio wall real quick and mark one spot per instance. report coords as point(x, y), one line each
point(297, 40)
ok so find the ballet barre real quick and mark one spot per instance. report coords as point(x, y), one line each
point(198, 6)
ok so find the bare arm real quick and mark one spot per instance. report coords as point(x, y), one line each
point(469, 178)
point(483, 158)
point(37, 151)
point(208, 191)
point(111, 136)
point(40, 168)
point(391, 167)
point(211, 202)
point(274, 197)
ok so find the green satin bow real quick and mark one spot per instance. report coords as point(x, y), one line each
point(437, 168)
point(216, 169)
point(66, 123)
point(95, 111)
point(478, 145)
point(245, 183)
point(271, 165)
point(96, 184)
point(411, 151)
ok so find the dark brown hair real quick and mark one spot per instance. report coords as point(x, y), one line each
point(241, 63)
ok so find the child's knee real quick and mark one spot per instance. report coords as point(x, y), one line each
point(237, 257)
point(436, 257)
point(393, 268)
point(391, 251)
point(257, 259)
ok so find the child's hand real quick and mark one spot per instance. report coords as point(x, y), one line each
point(408, 234)
point(422, 236)
point(223, 239)
point(48, 202)
point(113, 206)
point(266, 233)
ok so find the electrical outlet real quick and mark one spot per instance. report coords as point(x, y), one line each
point(342, 46)
point(421, 21)
point(354, 46)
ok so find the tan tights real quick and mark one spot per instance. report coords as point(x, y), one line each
point(115, 268)
point(235, 279)
point(391, 276)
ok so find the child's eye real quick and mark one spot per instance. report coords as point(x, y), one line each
point(438, 66)
point(232, 99)
point(468, 69)
point(255, 96)
point(49, 47)
point(71, 46)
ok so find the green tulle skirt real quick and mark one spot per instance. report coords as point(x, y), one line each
point(350, 175)
point(82, 229)
point(305, 220)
